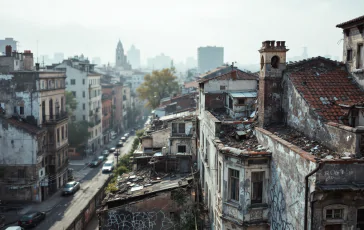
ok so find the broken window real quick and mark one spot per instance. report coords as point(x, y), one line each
point(241, 101)
point(58, 137)
point(360, 219)
point(21, 108)
point(66, 133)
point(334, 213)
point(222, 87)
point(234, 184)
point(257, 187)
point(360, 57)
point(349, 55)
point(62, 132)
point(181, 148)
point(21, 173)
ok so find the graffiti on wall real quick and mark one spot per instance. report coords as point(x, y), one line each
point(128, 219)
point(90, 211)
point(278, 211)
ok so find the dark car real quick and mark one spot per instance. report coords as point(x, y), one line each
point(96, 162)
point(31, 219)
point(120, 144)
point(71, 188)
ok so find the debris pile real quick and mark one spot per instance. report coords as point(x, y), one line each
point(299, 139)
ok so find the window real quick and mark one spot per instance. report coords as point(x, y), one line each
point(73, 81)
point(349, 55)
point(178, 128)
point(83, 106)
point(74, 93)
point(219, 177)
point(58, 135)
point(257, 187)
point(83, 94)
point(181, 148)
point(360, 57)
point(21, 110)
point(234, 184)
point(241, 101)
point(84, 117)
point(21, 173)
point(83, 81)
point(222, 87)
point(62, 132)
point(66, 130)
point(334, 213)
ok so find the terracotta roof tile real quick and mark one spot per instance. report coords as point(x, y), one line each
point(352, 21)
point(240, 75)
point(325, 84)
point(29, 128)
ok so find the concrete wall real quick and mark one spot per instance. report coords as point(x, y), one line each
point(18, 147)
point(161, 138)
point(351, 43)
point(289, 167)
point(230, 85)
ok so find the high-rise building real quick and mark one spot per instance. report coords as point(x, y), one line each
point(7, 42)
point(134, 57)
point(120, 58)
point(159, 62)
point(210, 57)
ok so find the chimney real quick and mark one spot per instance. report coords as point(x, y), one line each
point(37, 66)
point(234, 75)
point(8, 51)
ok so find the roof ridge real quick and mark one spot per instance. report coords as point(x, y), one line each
point(295, 63)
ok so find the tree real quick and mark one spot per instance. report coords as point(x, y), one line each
point(78, 133)
point(71, 103)
point(158, 85)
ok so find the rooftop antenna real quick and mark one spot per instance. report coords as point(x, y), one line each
point(232, 65)
point(37, 52)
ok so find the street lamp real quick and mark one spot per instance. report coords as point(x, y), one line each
point(117, 157)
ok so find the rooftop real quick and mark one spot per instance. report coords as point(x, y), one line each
point(29, 128)
point(142, 182)
point(327, 87)
point(351, 22)
point(234, 75)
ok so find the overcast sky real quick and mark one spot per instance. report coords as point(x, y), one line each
point(176, 28)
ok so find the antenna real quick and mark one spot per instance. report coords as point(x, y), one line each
point(37, 52)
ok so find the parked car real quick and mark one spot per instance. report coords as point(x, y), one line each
point(126, 135)
point(105, 152)
point(108, 166)
point(71, 188)
point(111, 150)
point(96, 162)
point(123, 139)
point(31, 219)
point(120, 144)
point(102, 158)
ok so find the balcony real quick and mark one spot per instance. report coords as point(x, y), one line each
point(97, 109)
point(54, 119)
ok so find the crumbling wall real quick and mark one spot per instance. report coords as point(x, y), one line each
point(300, 116)
point(289, 166)
point(161, 138)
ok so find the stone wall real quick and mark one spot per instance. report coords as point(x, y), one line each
point(289, 167)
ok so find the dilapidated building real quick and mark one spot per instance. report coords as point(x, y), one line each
point(34, 134)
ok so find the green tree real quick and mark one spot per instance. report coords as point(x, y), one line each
point(157, 85)
point(77, 133)
point(71, 103)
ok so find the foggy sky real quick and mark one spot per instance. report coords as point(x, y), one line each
point(176, 28)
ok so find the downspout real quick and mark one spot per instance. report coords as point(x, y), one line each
point(320, 164)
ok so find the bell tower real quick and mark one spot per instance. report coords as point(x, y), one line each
point(272, 65)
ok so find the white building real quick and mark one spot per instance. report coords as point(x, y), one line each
point(134, 57)
point(85, 85)
point(134, 80)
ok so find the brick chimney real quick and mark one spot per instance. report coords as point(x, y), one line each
point(272, 64)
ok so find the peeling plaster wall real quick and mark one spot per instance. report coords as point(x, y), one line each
point(17, 146)
point(287, 181)
point(351, 43)
point(230, 85)
point(161, 138)
point(300, 116)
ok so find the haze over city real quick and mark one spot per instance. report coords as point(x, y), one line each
point(176, 29)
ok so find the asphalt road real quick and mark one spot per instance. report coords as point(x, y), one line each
point(64, 213)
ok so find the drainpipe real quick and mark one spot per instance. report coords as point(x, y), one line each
point(307, 191)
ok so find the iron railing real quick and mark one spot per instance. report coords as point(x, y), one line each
point(54, 118)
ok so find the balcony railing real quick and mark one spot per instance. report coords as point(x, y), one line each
point(54, 118)
point(97, 110)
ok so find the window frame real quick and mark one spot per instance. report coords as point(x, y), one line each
point(233, 182)
point(73, 81)
point(360, 56)
point(259, 184)
point(178, 146)
point(349, 55)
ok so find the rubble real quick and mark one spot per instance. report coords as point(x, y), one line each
point(311, 146)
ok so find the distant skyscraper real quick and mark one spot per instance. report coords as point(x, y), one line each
point(210, 57)
point(58, 57)
point(120, 58)
point(7, 42)
point(134, 57)
point(96, 61)
point(159, 62)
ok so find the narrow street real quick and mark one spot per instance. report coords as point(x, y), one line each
point(64, 213)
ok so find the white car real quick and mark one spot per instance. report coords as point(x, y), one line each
point(108, 166)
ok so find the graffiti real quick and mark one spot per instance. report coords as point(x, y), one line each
point(128, 220)
point(90, 211)
point(256, 214)
point(278, 211)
